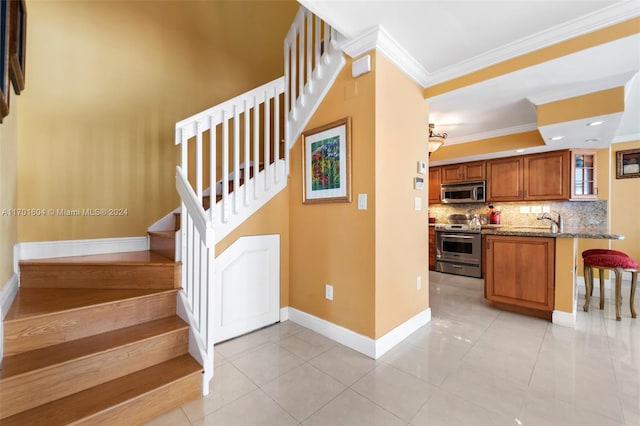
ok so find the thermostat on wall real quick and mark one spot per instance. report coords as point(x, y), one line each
point(418, 183)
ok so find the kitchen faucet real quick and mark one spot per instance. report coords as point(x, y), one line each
point(556, 226)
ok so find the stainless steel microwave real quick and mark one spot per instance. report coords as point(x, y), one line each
point(467, 192)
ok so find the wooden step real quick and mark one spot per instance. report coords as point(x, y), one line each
point(37, 377)
point(141, 269)
point(43, 317)
point(128, 400)
point(163, 243)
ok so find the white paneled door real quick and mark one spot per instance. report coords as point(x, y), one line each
point(247, 286)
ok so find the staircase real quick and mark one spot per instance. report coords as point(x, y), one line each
point(122, 338)
point(96, 339)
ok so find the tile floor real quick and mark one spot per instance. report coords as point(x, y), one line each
point(472, 365)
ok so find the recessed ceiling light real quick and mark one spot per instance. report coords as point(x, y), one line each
point(595, 123)
point(557, 138)
point(520, 150)
point(592, 140)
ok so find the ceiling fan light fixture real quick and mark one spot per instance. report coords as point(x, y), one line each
point(436, 140)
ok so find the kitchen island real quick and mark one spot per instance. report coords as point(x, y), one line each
point(532, 270)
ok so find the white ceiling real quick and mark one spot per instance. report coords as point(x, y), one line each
point(442, 39)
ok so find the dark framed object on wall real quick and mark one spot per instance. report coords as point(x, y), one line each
point(17, 44)
point(628, 164)
point(4, 57)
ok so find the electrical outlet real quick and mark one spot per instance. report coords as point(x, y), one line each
point(546, 209)
point(536, 209)
point(328, 292)
point(418, 282)
point(524, 209)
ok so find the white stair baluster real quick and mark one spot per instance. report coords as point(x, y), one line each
point(213, 180)
point(225, 168)
point(236, 159)
point(267, 140)
point(256, 146)
point(276, 134)
point(247, 152)
point(309, 51)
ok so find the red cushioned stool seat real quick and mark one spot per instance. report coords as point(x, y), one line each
point(618, 264)
point(588, 270)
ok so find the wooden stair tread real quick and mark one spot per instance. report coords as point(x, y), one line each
point(31, 302)
point(85, 404)
point(68, 351)
point(126, 258)
point(163, 234)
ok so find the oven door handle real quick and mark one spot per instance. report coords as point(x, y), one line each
point(462, 237)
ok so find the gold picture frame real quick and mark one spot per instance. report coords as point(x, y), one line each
point(326, 163)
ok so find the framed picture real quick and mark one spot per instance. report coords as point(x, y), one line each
point(17, 44)
point(628, 164)
point(326, 163)
point(4, 57)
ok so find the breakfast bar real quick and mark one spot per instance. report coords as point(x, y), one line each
point(555, 252)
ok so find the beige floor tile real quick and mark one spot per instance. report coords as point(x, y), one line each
point(303, 390)
point(227, 385)
point(445, 409)
point(343, 364)
point(487, 390)
point(352, 409)
point(237, 346)
point(175, 417)
point(421, 364)
point(396, 391)
point(266, 363)
point(302, 348)
point(541, 411)
point(253, 409)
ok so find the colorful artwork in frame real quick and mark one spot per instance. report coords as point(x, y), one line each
point(628, 164)
point(326, 163)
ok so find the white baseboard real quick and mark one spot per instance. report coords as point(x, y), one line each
point(7, 295)
point(363, 344)
point(564, 319)
point(48, 249)
point(284, 314)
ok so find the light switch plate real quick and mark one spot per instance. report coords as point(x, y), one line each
point(418, 204)
point(546, 209)
point(362, 201)
point(524, 209)
point(422, 167)
point(536, 209)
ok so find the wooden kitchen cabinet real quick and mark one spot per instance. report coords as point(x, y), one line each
point(432, 248)
point(534, 177)
point(463, 172)
point(505, 179)
point(434, 185)
point(520, 273)
point(584, 185)
point(546, 176)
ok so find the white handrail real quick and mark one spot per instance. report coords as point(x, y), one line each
point(246, 157)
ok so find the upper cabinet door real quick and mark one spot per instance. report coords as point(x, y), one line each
point(583, 175)
point(505, 179)
point(434, 185)
point(546, 176)
point(463, 172)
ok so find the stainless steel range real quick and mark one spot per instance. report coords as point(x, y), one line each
point(459, 246)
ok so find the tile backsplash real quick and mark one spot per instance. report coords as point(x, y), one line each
point(574, 213)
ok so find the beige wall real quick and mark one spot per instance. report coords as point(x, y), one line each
point(625, 205)
point(8, 189)
point(335, 243)
point(106, 82)
point(401, 250)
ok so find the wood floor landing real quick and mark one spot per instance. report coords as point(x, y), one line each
point(126, 258)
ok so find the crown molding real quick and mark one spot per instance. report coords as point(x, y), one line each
point(379, 39)
point(611, 15)
point(493, 133)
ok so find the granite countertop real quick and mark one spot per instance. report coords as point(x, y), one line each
point(569, 232)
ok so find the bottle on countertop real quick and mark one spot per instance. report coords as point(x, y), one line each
point(494, 215)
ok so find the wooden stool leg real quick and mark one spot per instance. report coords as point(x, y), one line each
point(601, 277)
point(634, 281)
point(618, 293)
point(588, 287)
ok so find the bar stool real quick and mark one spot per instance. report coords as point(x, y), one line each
point(618, 264)
point(588, 272)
